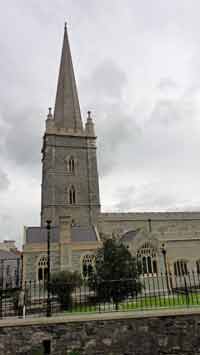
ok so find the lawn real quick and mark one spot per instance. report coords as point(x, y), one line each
point(142, 303)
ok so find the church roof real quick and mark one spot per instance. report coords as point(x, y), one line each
point(78, 234)
point(67, 112)
point(39, 235)
point(84, 234)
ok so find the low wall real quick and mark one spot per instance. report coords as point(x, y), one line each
point(152, 333)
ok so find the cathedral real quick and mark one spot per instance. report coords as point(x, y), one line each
point(166, 242)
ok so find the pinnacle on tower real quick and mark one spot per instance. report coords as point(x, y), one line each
point(67, 112)
point(89, 126)
point(49, 116)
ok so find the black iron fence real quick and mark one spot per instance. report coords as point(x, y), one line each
point(10, 273)
point(148, 291)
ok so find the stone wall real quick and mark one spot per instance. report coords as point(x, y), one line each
point(169, 225)
point(57, 180)
point(180, 231)
point(110, 334)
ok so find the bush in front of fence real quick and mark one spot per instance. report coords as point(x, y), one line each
point(116, 273)
point(62, 284)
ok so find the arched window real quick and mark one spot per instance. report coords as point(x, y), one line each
point(87, 266)
point(42, 268)
point(147, 256)
point(71, 165)
point(72, 195)
point(180, 268)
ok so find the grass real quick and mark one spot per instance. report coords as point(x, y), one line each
point(157, 302)
point(142, 303)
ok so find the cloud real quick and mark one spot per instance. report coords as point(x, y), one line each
point(155, 146)
point(4, 181)
point(105, 90)
point(156, 195)
point(167, 84)
point(159, 141)
point(22, 144)
point(107, 81)
point(150, 196)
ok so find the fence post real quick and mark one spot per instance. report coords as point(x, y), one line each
point(2, 273)
point(1, 303)
point(186, 292)
point(49, 270)
point(17, 280)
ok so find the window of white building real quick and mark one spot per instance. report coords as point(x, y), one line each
point(71, 165)
point(87, 267)
point(72, 195)
point(42, 269)
point(147, 256)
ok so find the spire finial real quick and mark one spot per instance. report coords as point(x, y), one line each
point(65, 26)
point(49, 113)
point(89, 126)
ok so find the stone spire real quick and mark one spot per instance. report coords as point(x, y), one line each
point(67, 110)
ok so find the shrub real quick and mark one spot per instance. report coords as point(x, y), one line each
point(63, 284)
point(116, 275)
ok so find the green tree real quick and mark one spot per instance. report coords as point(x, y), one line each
point(63, 284)
point(116, 274)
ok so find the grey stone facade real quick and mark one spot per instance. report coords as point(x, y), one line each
point(65, 138)
point(151, 335)
point(57, 181)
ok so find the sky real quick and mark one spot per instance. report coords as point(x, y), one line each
point(137, 66)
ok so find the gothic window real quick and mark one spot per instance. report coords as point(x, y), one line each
point(72, 195)
point(180, 268)
point(147, 256)
point(87, 266)
point(198, 266)
point(42, 269)
point(71, 165)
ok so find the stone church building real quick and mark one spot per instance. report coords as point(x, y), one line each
point(70, 199)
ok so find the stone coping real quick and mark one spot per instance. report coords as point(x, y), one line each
point(61, 319)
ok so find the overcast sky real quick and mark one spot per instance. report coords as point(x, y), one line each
point(137, 66)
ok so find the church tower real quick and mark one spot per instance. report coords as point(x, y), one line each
point(70, 184)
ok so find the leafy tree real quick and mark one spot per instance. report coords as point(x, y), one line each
point(63, 284)
point(116, 274)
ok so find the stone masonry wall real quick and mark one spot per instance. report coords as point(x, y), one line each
point(169, 226)
point(152, 335)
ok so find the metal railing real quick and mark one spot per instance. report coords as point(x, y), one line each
point(148, 291)
point(10, 272)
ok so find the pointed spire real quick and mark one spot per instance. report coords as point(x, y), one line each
point(67, 110)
